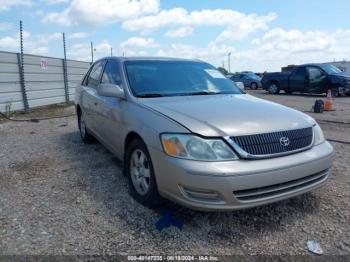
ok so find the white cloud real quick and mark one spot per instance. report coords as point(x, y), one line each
point(44, 50)
point(165, 18)
point(101, 12)
point(37, 44)
point(78, 35)
point(82, 51)
point(5, 26)
point(238, 25)
point(276, 48)
point(181, 32)
point(46, 38)
point(8, 42)
point(55, 2)
point(295, 40)
point(213, 52)
point(8, 4)
point(139, 42)
point(248, 25)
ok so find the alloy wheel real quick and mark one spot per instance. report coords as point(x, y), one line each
point(273, 89)
point(140, 171)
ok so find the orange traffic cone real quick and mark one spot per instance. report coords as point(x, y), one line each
point(328, 105)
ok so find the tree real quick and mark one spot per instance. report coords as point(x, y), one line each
point(223, 70)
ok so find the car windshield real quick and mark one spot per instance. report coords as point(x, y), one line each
point(331, 69)
point(176, 78)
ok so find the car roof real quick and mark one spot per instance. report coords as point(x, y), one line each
point(311, 64)
point(150, 58)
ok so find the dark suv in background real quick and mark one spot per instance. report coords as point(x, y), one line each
point(308, 78)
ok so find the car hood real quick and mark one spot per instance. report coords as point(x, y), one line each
point(343, 74)
point(228, 115)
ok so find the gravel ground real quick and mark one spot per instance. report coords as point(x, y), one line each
point(59, 196)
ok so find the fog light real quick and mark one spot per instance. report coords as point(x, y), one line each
point(201, 195)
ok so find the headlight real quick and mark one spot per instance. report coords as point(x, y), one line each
point(318, 135)
point(196, 148)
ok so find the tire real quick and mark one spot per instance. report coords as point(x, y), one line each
point(141, 177)
point(335, 92)
point(84, 133)
point(273, 88)
point(254, 86)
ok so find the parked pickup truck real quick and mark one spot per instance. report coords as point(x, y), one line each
point(309, 78)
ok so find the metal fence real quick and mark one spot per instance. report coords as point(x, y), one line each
point(39, 81)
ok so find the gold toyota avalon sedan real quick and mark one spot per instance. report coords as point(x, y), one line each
point(188, 134)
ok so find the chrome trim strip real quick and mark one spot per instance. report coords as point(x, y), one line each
point(306, 186)
point(281, 186)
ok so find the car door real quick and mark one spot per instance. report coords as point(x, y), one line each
point(89, 95)
point(317, 80)
point(298, 80)
point(109, 111)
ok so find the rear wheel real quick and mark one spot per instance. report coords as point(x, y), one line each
point(254, 86)
point(84, 133)
point(273, 88)
point(139, 169)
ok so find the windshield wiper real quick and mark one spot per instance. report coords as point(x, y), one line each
point(182, 94)
point(150, 95)
point(200, 93)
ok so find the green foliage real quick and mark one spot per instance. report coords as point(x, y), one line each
point(8, 106)
point(223, 70)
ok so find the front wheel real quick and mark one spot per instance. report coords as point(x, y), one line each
point(273, 88)
point(140, 173)
point(254, 86)
point(84, 133)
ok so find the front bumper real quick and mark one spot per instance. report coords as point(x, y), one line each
point(240, 184)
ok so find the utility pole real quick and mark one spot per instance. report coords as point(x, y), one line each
point(229, 62)
point(92, 52)
point(21, 69)
point(111, 51)
point(65, 74)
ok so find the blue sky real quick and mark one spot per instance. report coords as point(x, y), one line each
point(261, 35)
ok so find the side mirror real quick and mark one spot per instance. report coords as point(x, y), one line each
point(110, 90)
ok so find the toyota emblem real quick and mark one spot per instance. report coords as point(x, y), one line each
point(284, 141)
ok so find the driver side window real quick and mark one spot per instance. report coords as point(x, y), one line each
point(111, 74)
point(315, 74)
point(93, 79)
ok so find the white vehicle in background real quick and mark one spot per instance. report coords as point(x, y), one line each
point(240, 85)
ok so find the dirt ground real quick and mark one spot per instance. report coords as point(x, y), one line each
point(59, 196)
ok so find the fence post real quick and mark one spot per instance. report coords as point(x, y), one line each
point(21, 70)
point(65, 74)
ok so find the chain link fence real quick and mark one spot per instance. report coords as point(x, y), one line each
point(28, 81)
point(38, 81)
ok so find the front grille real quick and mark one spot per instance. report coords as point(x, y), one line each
point(270, 143)
point(255, 194)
